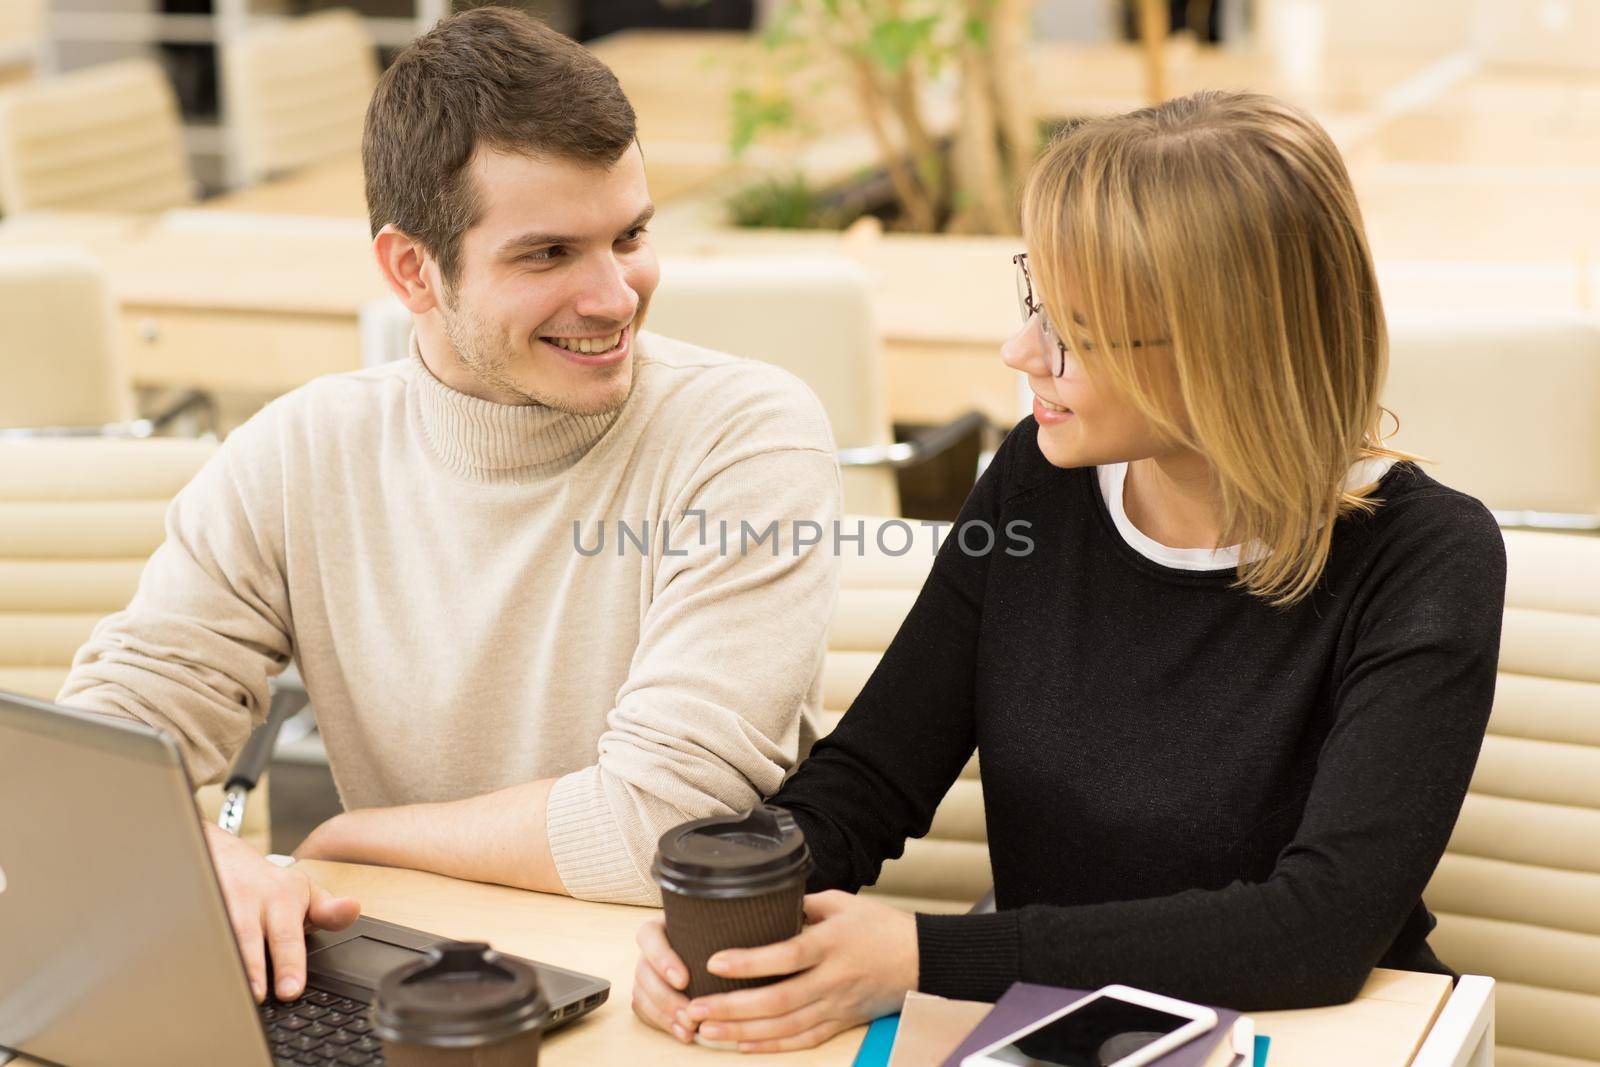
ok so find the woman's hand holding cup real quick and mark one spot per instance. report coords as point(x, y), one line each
point(658, 983)
point(855, 961)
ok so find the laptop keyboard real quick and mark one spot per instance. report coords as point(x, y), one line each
point(321, 1029)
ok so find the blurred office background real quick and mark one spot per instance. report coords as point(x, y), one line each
point(183, 238)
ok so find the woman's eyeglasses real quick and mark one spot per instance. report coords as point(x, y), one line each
point(1031, 307)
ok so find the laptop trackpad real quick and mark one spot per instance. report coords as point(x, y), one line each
point(362, 960)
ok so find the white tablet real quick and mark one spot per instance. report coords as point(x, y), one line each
point(1117, 1026)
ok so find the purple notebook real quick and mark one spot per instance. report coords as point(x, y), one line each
point(1024, 1003)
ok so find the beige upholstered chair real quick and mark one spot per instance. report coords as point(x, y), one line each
point(59, 356)
point(949, 869)
point(104, 138)
point(78, 519)
point(57, 342)
point(1508, 406)
point(296, 91)
point(1518, 891)
point(810, 316)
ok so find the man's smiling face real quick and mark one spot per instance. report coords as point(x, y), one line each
point(553, 280)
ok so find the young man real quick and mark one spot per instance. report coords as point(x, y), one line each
point(499, 701)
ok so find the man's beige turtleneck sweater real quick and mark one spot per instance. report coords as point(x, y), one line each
point(416, 552)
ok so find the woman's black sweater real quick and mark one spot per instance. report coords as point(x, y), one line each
point(1186, 789)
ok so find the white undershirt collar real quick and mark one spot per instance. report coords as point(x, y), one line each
point(1113, 479)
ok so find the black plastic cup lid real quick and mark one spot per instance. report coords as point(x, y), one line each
point(733, 855)
point(460, 995)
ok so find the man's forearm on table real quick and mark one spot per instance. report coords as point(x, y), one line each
point(498, 837)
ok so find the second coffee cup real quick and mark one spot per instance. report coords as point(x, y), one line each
point(462, 1005)
point(731, 881)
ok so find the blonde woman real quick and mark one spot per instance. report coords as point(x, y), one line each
point(1228, 706)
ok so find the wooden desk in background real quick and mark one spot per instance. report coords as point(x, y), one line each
point(1381, 1028)
point(226, 304)
point(237, 311)
point(230, 305)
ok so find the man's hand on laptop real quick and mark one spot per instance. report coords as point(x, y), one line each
point(270, 908)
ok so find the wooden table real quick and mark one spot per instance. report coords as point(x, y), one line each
point(1499, 119)
point(593, 938)
point(1385, 1024)
point(238, 308)
point(1481, 215)
point(332, 189)
point(1382, 1027)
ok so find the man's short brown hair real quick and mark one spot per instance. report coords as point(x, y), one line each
point(493, 78)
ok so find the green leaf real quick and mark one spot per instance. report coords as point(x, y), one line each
point(978, 31)
point(892, 43)
point(754, 112)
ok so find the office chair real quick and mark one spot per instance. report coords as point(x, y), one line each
point(103, 138)
point(59, 358)
point(296, 91)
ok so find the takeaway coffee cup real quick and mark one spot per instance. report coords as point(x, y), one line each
point(731, 881)
point(461, 1005)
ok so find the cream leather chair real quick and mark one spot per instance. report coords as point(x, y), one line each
point(1509, 407)
point(1518, 892)
point(78, 519)
point(812, 316)
point(104, 138)
point(57, 342)
point(58, 352)
point(949, 869)
point(296, 91)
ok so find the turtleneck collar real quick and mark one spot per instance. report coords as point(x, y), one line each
point(488, 442)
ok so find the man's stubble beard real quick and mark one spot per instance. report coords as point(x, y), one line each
point(487, 356)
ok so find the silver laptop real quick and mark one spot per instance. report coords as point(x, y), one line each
point(115, 946)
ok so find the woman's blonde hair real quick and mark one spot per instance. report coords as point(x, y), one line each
point(1225, 223)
